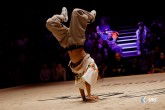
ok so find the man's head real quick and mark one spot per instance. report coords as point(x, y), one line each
point(162, 56)
point(141, 25)
point(118, 56)
point(115, 35)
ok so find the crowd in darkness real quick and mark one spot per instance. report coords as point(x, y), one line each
point(33, 55)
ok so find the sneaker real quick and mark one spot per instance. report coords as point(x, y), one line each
point(93, 13)
point(65, 13)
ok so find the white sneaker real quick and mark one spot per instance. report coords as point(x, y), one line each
point(93, 13)
point(65, 13)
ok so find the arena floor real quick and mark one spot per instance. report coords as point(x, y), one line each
point(136, 92)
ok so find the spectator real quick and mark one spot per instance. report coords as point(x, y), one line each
point(103, 28)
point(105, 50)
point(154, 55)
point(134, 67)
point(145, 64)
point(88, 43)
point(119, 67)
point(113, 43)
point(53, 70)
point(45, 73)
point(114, 35)
point(142, 37)
point(60, 72)
point(100, 43)
point(97, 56)
point(160, 64)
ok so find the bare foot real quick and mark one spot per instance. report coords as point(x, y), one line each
point(93, 98)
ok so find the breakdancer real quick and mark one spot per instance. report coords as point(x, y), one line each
point(72, 39)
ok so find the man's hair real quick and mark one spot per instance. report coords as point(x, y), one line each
point(140, 24)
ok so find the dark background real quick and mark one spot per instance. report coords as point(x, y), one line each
point(29, 17)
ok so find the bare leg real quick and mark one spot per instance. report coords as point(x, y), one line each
point(90, 97)
point(82, 92)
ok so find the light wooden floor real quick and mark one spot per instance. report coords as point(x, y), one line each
point(138, 92)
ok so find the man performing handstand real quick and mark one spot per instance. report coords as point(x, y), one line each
point(72, 39)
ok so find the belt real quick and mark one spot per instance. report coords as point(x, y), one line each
point(72, 47)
